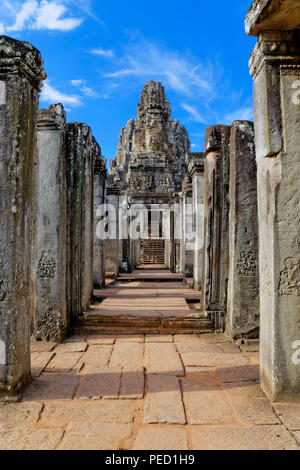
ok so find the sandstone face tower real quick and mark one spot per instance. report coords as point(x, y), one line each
point(148, 169)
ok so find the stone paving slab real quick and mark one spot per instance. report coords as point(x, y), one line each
point(205, 402)
point(155, 438)
point(162, 358)
point(132, 384)
point(99, 382)
point(159, 339)
point(205, 359)
point(95, 436)
point(186, 339)
point(130, 339)
point(41, 346)
point(198, 347)
point(31, 439)
point(39, 361)
point(128, 356)
point(100, 339)
point(98, 355)
point(215, 338)
point(242, 438)
point(75, 339)
point(19, 415)
point(59, 414)
point(164, 401)
point(52, 387)
point(289, 414)
point(63, 362)
point(250, 403)
point(245, 373)
point(71, 347)
point(296, 435)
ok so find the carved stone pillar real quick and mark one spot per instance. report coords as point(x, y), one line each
point(243, 285)
point(99, 199)
point(186, 254)
point(21, 75)
point(50, 311)
point(216, 219)
point(113, 245)
point(196, 170)
point(80, 206)
point(275, 67)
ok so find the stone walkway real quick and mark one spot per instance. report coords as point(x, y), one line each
point(147, 392)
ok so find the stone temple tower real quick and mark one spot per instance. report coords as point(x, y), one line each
point(152, 148)
point(148, 169)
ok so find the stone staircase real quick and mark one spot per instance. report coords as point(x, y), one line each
point(146, 301)
point(152, 251)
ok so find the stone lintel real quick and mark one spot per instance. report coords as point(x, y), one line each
point(272, 15)
point(52, 118)
point(195, 162)
point(21, 58)
point(216, 137)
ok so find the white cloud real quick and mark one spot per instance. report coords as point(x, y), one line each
point(77, 83)
point(27, 11)
point(2, 28)
point(179, 71)
point(50, 17)
point(43, 14)
point(243, 114)
point(108, 53)
point(51, 95)
point(87, 91)
point(195, 115)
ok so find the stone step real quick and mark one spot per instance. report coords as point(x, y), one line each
point(105, 321)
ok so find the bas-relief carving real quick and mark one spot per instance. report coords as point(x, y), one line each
point(266, 284)
point(151, 182)
point(47, 266)
point(289, 283)
point(247, 264)
point(3, 290)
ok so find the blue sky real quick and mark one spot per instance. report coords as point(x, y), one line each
point(99, 54)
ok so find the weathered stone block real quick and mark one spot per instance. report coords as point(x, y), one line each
point(216, 218)
point(21, 75)
point(80, 152)
point(274, 65)
point(50, 267)
point(243, 285)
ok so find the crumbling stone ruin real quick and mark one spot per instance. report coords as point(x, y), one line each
point(225, 220)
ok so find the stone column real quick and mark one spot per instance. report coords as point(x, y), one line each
point(275, 67)
point(113, 246)
point(79, 157)
point(21, 75)
point(50, 312)
point(186, 254)
point(243, 285)
point(216, 218)
point(195, 163)
point(99, 199)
